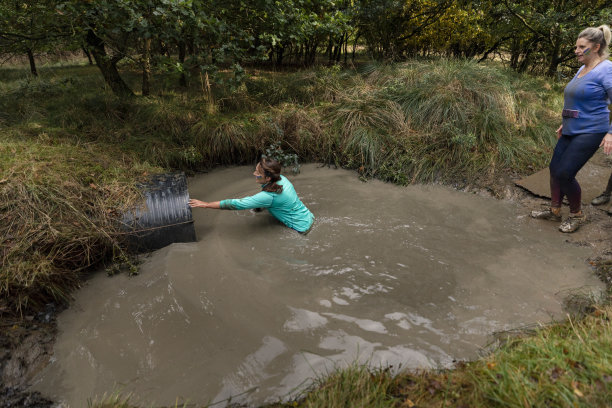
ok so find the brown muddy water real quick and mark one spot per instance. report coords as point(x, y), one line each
point(411, 277)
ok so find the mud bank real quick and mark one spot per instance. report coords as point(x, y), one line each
point(374, 281)
point(25, 348)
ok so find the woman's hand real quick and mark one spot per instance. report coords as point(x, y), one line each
point(197, 203)
point(559, 132)
point(606, 143)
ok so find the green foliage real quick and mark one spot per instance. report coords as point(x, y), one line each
point(548, 31)
point(29, 26)
point(388, 25)
point(123, 263)
point(275, 152)
point(186, 39)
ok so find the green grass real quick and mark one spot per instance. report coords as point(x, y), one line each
point(354, 386)
point(448, 120)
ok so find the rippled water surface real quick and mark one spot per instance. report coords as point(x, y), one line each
point(406, 276)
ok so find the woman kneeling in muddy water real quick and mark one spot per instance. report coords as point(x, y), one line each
point(586, 125)
point(277, 195)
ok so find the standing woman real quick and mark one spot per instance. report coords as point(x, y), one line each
point(278, 196)
point(586, 125)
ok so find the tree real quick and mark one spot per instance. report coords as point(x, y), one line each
point(28, 26)
point(549, 29)
point(388, 26)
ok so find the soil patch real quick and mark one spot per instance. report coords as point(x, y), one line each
point(25, 348)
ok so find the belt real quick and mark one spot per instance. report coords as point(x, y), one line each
point(570, 113)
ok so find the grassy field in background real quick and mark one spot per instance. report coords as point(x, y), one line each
point(71, 153)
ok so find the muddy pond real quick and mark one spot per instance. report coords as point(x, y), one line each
point(411, 277)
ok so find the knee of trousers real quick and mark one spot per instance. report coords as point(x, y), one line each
point(562, 174)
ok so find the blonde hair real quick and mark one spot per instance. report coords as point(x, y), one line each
point(598, 35)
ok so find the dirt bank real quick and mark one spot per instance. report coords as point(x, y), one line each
point(26, 345)
point(25, 348)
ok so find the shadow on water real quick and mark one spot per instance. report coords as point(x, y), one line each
point(412, 277)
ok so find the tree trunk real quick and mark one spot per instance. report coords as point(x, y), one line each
point(337, 52)
point(524, 64)
point(182, 48)
point(311, 53)
point(552, 67)
point(493, 48)
point(280, 51)
point(146, 68)
point(107, 65)
point(355, 47)
point(346, 49)
point(515, 54)
point(88, 55)
point(553, 58)
point(32, 62)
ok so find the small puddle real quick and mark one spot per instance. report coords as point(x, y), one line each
point(412, 277)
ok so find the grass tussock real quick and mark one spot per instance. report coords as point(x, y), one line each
point(355, 386)
point(446, 121)
point(58, 209)
point(114, 400)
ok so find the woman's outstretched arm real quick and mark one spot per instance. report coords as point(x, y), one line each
point(203, 204)
point(259, 200)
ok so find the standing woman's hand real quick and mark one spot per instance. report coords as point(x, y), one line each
point(559, 132)
point(606, 143)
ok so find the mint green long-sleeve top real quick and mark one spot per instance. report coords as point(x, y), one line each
point(285, 206)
